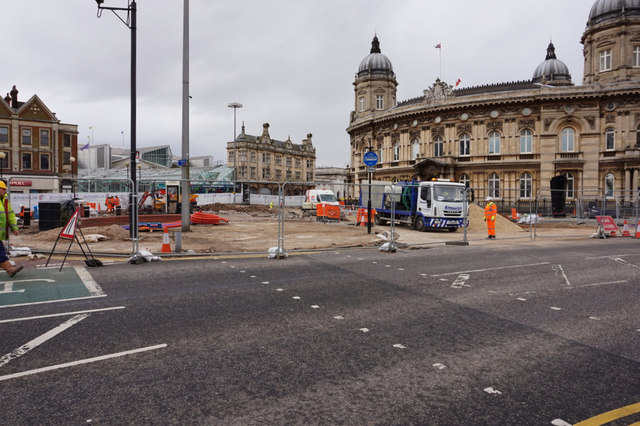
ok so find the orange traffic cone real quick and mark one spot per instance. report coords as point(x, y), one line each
point(638, 230)
point(166, 246)
point(625, 230)
point(364, 217)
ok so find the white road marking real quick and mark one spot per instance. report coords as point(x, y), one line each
point(491, 269)
point(556, 309)
point(558, 270)
point(400, 269)
point(80, 362)
point(7, 286)
point(439, 366)
point(399, 346)
point(594, 318)
point(50, 301)
point(560, 422)
point(315, 307)
point(296, 297)
point(62, 314)
point(265, 282)
point(460, 281)
point(252, 276)
point(279, 289)
point(89, 282)
point(492, 391)
point(522, 299)
point(364, 330)
point(340, 317)
point(4, 360)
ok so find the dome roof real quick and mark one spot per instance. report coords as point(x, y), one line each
point(552, 71)
point(609, 10)
point(375, 62)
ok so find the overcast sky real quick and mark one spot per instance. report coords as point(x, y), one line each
point(291, 63)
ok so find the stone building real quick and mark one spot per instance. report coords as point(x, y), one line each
point(511, 139)
point(38, 152)
point(261, 159)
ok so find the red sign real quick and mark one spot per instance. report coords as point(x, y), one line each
point(69, 231)
point(607, 223)
point(20, 182)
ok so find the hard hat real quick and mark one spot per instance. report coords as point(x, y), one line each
point(489, 199)
point(3, 185)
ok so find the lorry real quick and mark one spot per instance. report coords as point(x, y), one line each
point(438, 203)
point(313, 197)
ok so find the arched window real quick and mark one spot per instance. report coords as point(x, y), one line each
point(380, 156)
point(526, 142)
point(611, 139)
point(570, 185)
point(465, 144)
point(494, 185)
point(438, 146)
point(396, 151)
point(609, 185)
point(526, 183)
point(494, 143)
point(568, 139)
point(415, 149)
point(464, 179)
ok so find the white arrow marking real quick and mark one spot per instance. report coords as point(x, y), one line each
point(439, 366)
point(492, 391)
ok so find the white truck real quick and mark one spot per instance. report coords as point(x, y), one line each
point(313, 197)
point(438, 203)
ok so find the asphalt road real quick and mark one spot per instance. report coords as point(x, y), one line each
point(497, 335)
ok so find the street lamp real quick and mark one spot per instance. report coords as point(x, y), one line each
point(235, 106)
point(73, 188)
point(131, 22)
point(2, 157)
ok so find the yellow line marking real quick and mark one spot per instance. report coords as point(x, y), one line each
point(610, 416)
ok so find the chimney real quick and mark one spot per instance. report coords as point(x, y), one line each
point(7, 99)
point(14, 97)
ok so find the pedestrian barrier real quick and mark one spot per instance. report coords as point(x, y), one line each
point(638, 230)
point(166, 246)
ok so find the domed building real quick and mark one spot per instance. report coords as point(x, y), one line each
point(515, 141)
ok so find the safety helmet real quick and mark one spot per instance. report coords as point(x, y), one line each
point(3, 185)
point(489, 199)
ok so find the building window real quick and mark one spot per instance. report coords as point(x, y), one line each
point(465, 144)
point(605, 60)
point(568, 139)
point(4, 134)
point(638, 135)
point(26, 136)
point(44, 137)
point(494, 185)
point(526, 183)
point(44, 161)
point(66, 141)
point(298, 163)
point(570, 185)
point(278, 175)
point(266, 173)
point(609, 182)
point(379, 102)
point(288, 161)
point(611, 139)
point(278, 160)
point(4, 162)
point(298, 176)
point(361, 100)
point(243, 172)
point(465, 179)
point(380, 156)
point(415, 149)
point(396, 151)
point(438, 146)
point(309, 164)
point(266, 157)
point(636, 56)
point(526, 142)
point(494, 143)
point(26, 161)
point(253, 157)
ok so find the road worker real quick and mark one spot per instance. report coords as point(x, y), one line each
point(7, 222)
point(490, 213)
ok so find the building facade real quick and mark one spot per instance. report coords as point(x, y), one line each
point(261, 160)
point(37, 151)
point(512, 139)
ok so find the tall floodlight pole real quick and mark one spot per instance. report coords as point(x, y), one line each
point(132, 23)
point(235, 106)
point(186, 186)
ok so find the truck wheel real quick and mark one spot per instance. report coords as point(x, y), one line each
point(453, 229)
point(378, 220)
point(419, 224)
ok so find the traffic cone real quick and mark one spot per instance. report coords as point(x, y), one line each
point(638, 230)
point(625, 230)
point(166, 246)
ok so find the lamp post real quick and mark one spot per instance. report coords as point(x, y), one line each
point(131, 22)
point(235, 106)
point(73, 188)
point(2, 157)
point(139, 173)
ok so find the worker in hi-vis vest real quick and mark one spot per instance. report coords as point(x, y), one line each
point(490, 213)
point(7, 221)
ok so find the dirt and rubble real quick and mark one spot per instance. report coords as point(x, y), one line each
point(254, 228)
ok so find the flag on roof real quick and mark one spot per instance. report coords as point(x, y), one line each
point(438, 46)
point(458, 81)
point(85, 147)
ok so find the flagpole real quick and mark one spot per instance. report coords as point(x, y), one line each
point(440, 52)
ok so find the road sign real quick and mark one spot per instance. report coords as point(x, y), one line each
point(371, 169)
point(182, 162)
point(370, 158)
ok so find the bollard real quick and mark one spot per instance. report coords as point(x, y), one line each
point(26, 219)
point(118, 211)
point(177, 236)
point(87, 211)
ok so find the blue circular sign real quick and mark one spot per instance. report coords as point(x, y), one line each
point(370, 158)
